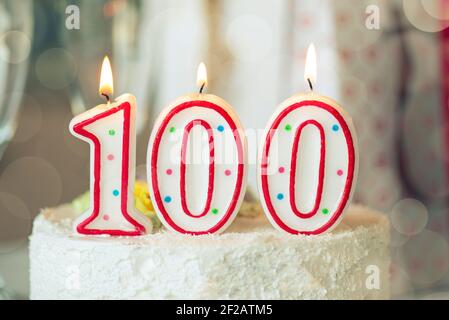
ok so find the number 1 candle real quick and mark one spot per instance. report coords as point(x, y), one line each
point(110, 130)
point(197, 163)
point(308, 162)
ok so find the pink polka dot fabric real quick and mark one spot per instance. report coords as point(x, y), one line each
point(394, 82)
point(359, 68)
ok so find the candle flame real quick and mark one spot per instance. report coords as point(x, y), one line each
point(201, 76)
point(310, 72)
point(106, 81)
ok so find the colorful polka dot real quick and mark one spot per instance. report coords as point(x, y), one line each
point(214, 211)
point(106, 217)
point(227, 172)
point(167, 199)
point(325, 211)
point(115, 192)
point(335, 127)
point(172, 129)
point(280, 196)
point(288, 127)
point(281, 169)
point(169, 172)
point(220, 128)
point(111, 132)
point(110, 157)
point(340, 172)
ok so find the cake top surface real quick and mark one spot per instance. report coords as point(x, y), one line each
point(250, 225)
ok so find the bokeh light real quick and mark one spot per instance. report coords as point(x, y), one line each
point(409, 217)
point(397, 239)
point(15, 46)
point(425, 258)
point(417, 12)
point(435, 8)
point(56, 68)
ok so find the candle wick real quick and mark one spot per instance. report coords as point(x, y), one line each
point(107, 97)
point(310, 84)
point(202, 87)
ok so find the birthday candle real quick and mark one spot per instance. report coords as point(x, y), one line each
point(308, 162)
point(110, 130)
point(197, 163)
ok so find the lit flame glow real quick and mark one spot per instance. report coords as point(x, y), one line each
point(310, 69)
point(106, 82)
point(201, 75)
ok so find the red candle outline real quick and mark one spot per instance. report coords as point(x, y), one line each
point(210, 182)
point(153, 165)
point(350, 170)
point(292, 185)
point(79, 129)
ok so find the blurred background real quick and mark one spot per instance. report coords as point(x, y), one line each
point(386, 62)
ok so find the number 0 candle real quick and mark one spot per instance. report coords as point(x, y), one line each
point(197, 163)
point(308, 161)
point(110, 130)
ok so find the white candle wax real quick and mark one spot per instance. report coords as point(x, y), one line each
point(110, 131)
point(308, 164)
point(196, 165)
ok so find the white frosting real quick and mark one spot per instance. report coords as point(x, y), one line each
point(251, 260)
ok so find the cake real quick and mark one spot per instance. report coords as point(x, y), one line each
point(250, 260)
